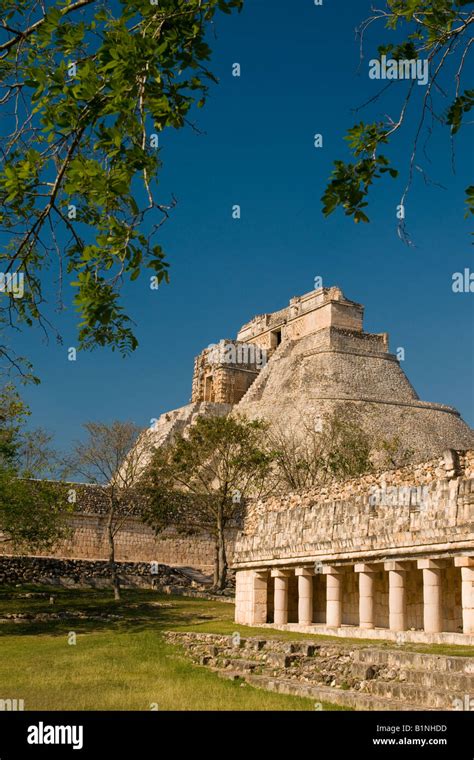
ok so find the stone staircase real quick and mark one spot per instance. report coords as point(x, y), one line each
point(348, 675)
point(196, 575)
point(170, 424)
point(254, 393)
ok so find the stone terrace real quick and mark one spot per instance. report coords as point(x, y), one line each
point(349, 675)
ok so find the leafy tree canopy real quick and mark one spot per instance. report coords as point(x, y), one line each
point(85, 89)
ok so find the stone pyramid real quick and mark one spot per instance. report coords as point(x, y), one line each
point(320, 359)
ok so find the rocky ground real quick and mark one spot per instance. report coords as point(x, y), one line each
point(96, 573)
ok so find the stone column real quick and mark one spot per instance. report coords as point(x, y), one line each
point(260, 590)
point(366, 594)
point(467, 592)
point(397, 602)
point(281, 596)
point(333, 596)
point(305, 595)
point(432, 594)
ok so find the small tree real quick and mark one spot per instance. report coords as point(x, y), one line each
point(309, 455)
point(36, 456)
point(13, 414)
point(111, 457)
point(200, 480)
point(32, 512)
point(393, 454)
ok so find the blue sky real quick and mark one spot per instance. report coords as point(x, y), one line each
point(299, 76)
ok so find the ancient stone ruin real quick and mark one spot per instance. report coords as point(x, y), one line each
point(386, 555)
point(381, 556)
point(350, 674)
point(307, 360)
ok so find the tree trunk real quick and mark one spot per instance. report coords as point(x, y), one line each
point(113, 565)
point(215, 579)
point(222, 557)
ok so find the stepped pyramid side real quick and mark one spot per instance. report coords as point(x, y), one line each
point(164, 430)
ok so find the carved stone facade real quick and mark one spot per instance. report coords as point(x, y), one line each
point(319, 309)
point(223, 373)
point(384, 556)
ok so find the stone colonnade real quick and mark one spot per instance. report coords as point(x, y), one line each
point(430, 594)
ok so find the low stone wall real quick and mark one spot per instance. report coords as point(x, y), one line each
point(135, 541)
point(352, 675)
point(87, 573)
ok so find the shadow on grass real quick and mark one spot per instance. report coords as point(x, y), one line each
point(139, 610)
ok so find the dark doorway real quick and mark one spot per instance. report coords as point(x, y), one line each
point(276, 338)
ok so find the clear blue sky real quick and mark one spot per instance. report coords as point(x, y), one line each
point(299, 76)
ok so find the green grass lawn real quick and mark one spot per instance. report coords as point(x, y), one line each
point(123, 664)
point(126, 664)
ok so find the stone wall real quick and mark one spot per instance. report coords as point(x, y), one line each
point(398, 513)
point(349, 674)
point(135, 541)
